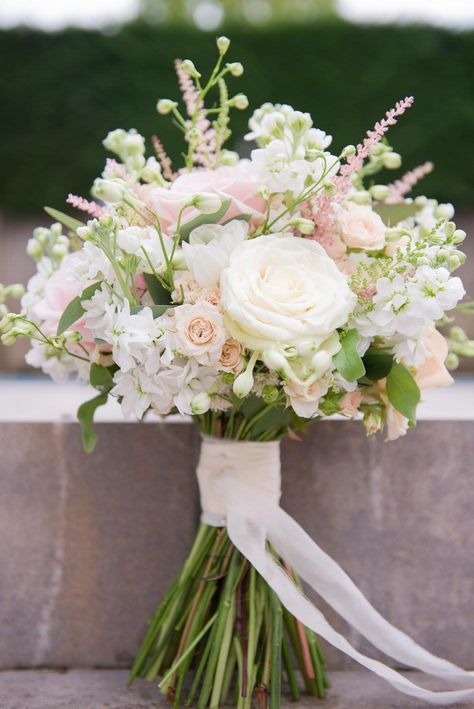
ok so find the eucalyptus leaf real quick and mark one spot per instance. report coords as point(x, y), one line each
point(348, 361)
point(85, 415)
point(403, 392)
point(377, 363)
point(74, 311)
point(157, 291)
point(64, 219)
point(393, 214)
point(101, 378)
point(213, 218)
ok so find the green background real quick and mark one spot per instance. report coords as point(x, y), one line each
point(61, 93)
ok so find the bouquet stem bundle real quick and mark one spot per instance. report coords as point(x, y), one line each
point(221, 634)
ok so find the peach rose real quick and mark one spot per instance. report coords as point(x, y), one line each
point(361, 228)
point(350, 403)
point(200, 331)
point(433, 372)
point(231, 357)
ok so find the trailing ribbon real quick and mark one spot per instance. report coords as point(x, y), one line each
point(239, 482)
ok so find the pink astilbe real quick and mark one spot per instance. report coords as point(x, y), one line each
point(92, 208)
point(323, 206)
point(205, 151)
point(405, 184)
point(163, 158)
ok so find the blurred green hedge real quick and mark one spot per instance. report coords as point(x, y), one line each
point(61, 93)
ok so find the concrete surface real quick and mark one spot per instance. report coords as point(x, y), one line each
point(105, 689)
point(89, 543)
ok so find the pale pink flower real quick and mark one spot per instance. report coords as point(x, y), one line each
point(92, 208)
point(406, 183)
point(361, 228)
point(433, 371)
point(231, 357)
point(200, 332)
point(350, 403)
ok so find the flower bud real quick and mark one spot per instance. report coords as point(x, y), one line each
point(348, 151)
point(243, 384)
point(71, 337)
point(188, 66)
point(206, 202)
point(275, 361)
point(270, 394)
point(235, 68)
point(452, 361)
point(16, 290)
point(392, 161)
point(6, 324)
point(59, 251)
point(229, 157)
point(454, 262)
point(458, 236)
point(240, 101)
point(223, 44)
point(360, 197)
point(106, 221)
point(8, 339)
point(107, 190)
point(444, 211)
point(34, 249)
point(165, 106)
point(456, 333)
point(305, 226)
point(379, 192)
point(200, 403)
point(151, 172)
point(320, 363)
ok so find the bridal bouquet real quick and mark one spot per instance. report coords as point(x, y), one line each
point(257, 296)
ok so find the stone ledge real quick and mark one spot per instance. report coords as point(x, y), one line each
point(105, 689)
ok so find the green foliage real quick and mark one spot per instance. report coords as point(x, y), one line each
point(63, 92)
point(213, 218)
point(85, 415)
point(403, 392)
point(377, 363)
point(64, 219)
point(393, 214)
point(74, 311)
point(348, 361)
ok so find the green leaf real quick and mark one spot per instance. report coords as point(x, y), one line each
point(101, 378)
point(213, 218)
point(377, 363)
point(393, 214)
point(402, 391)
point(158, 292)
point(348, 361)
point(64, 219)
point(85, 414)
point(157, 310)
point(74, 311)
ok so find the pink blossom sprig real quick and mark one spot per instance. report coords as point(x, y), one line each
point(92, 208)
point(405, 184)
point(356, 161)
point(163, 158)
point(322, 210)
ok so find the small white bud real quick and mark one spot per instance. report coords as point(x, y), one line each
point(151, 172)
point(188, 66)
point(320, 363)
point(444, 211)
point(458, 236)
point(275, 361)
point(165, 106)
point(107, 190)
point(235, 68)
point(348, 151)
point(16, 290)
point(360, 197)
point(200, 403)
point(229, 157)
point(8, 339)
point(379, 192)
point(59, 251)
point(305, 226)
point(34, 249)
point(223, 44)
point(243, 384)
point(206, 202)
point(452, 361)
point(240, 101)
point(392, 161)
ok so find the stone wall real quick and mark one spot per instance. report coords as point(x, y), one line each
point(89, 543)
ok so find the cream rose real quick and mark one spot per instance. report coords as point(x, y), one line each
point(361, 228)
point(231, 357)
point(200, 331)
point(433, 372)
point(283, 290)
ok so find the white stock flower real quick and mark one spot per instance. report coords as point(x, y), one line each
point(144, 243)
point(209, 250)
point(434, 291)
point(131, 336)
point(283, 290)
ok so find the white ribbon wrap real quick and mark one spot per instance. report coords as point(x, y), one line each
point(240, 488)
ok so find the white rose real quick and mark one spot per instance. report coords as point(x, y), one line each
point(283, 290)
point(361, 228)
point(209, 250)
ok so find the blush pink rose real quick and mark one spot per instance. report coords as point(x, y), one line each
point(58, 292)
point(361, 228)
point(237, 183)
point(433, 371)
